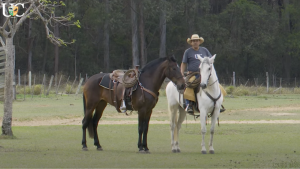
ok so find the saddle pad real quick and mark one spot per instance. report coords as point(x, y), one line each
point(105, 82)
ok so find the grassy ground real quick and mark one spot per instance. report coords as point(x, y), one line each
point(236, 145)
point(241, 108)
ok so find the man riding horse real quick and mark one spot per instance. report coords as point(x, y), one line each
point(191, 62)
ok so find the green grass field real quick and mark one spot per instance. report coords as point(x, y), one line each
point(236, 145)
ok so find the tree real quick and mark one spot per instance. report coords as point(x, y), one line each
point(106, 37)
point(163, 27)
point(43, 10)
point(135, 46)
point(142, 34)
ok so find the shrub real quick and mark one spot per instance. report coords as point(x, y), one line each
point(229, 89)
point(37, 89)
point(69, 90)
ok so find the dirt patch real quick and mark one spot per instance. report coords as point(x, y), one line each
point(77, 121)
point(273, 109)
point(283, 114)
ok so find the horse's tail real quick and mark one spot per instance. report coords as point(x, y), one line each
point(88, 120)
point(84, 107)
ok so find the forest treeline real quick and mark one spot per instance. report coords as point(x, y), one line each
point(250, 37)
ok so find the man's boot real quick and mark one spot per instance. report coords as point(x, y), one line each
point(190, 109)
point(222, 109)
point(123, 107)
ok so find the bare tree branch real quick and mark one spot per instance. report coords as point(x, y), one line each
point(2, 42)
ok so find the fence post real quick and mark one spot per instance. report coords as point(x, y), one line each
point(24, 85)
point(273, 81)
point(50, 84)
point(29, 79)
point(72, 85)
point(233, 79)
point(64, 91)
point(58, 84)
point(19, 77)
point(79, 85)
point(267, 74)
point(280, 84)
point(44, 84)
point(32, 90)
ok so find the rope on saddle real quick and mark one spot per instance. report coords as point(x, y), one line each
point(130, 78)
point(194, 83)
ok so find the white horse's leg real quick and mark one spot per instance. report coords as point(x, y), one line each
point(203, 130)
point(182, 115)
point(173, 125)
point(212, 130)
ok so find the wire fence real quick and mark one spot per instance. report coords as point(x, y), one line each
point(44, 84)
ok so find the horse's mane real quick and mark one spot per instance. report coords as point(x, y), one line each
point(157, 62)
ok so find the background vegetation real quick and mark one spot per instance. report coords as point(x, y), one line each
point(250, 37)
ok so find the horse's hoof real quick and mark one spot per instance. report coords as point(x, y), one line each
point(178, 150)
point(84, 149)
point(203, 152)
point(174, 151)
point(100, 149)
point(142, 151)
point(211, 152)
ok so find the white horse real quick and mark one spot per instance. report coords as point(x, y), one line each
point(209, 100)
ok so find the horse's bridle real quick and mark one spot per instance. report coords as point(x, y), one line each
point(209, 96)
point(169, 67)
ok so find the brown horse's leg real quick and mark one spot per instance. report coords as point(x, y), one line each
point(87, 121)
point(143, 130)
point(140, 130)
point(145, 133)
point(98, 114)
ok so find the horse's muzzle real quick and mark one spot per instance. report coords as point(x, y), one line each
point(203, 85)
point(180, 87)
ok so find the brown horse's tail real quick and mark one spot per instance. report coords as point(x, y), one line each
point(87, 120)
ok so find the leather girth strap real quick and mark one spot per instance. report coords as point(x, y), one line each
point(147, 90)
point(214, 100)
point(114, 93)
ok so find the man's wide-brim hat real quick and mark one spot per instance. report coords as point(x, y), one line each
point(195, 37)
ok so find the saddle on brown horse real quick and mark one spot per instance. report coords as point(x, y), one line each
point(121, 84)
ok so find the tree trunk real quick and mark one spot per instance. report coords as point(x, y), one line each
point(163, 27)
point(106, 37)
point(142, 35)
point(135, 49)
point(45, 56)
point(56, 50)
point(287, 57)
point(30, 43)
point(8, 90)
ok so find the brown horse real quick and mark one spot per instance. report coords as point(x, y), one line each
point(144, 99)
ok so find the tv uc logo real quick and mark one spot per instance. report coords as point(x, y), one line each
point(13, 10)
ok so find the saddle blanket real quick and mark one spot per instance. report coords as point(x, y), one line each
point(105, 82)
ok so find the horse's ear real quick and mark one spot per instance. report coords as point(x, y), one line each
point(199, 58)
point(212, 59)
